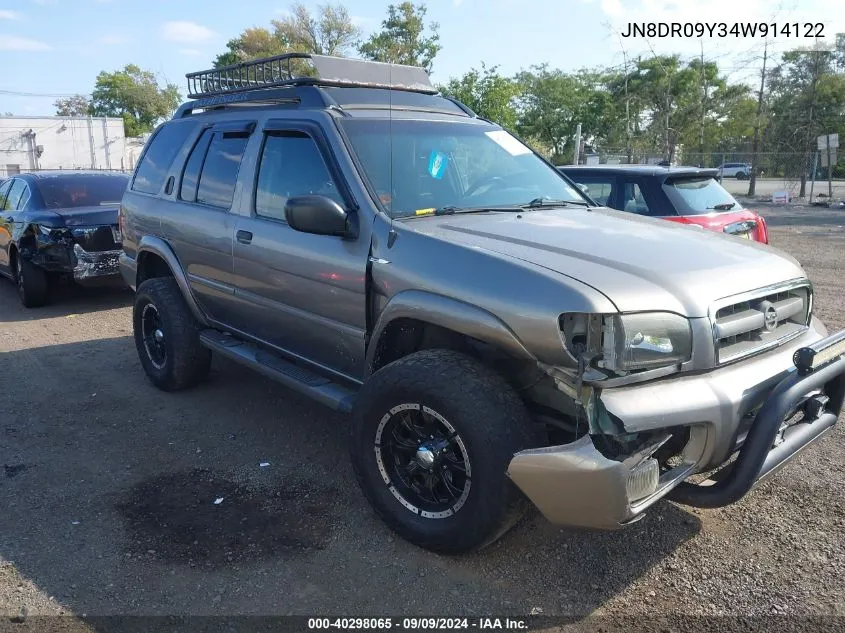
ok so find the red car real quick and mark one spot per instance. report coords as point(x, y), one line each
point(688, 195)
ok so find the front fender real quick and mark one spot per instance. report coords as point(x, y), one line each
point(448, 313)
point(159, 247)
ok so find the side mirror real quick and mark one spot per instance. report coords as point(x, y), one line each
point(318, 215)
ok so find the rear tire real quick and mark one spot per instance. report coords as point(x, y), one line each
point(741, 175)
point(441, 416)
point(167, 336)
point(32, 283)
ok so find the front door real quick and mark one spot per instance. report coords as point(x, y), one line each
point(306, 293)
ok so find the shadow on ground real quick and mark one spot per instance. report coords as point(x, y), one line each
point(237, 497)
point(65, 298)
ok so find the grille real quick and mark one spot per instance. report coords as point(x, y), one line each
point(94, 239)
point(760, 321)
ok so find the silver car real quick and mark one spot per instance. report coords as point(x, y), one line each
point(497, 337)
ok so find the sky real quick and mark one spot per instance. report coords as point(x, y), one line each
point(51, 48)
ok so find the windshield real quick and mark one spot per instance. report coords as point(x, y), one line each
point(699, 196)
point(78, 190)
point(438, 165)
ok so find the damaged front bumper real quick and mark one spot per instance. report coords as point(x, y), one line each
point(738, 408)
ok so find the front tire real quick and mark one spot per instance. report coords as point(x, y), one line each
point(741, 176)
point(167, 336)
point(431, 439)
point(32, 283)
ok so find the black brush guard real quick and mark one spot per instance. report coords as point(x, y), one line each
point(757, 457)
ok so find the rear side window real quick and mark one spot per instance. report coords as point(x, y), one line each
point(191, 177)
point(291, 165)
point(219, 173)
point(15, 194)
point(633, 200)
point(156, 161)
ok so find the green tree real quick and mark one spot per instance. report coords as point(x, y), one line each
point(403, 38)
point(134, 95)
point(487, 93)
point(77, 105)
point(253, 43)
point(551, 105)
point(806, 100)
point(330, 32)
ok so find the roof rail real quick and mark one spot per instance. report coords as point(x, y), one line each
point(305, 69)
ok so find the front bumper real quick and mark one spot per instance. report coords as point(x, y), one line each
point(577, 485)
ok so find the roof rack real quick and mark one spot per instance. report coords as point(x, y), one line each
point(304, 69)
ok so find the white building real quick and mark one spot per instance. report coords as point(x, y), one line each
point(52, 142)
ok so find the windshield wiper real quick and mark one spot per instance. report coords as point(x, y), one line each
point(725, 206)
point(452, 210)
point(539, 203)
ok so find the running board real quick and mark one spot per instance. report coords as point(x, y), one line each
point(300, 379)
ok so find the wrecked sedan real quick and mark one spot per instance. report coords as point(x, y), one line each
point(496, 336)
point(60, 224)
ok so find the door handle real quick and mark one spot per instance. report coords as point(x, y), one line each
point(244, 237)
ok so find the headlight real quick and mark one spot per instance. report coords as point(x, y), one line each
point(645, 341)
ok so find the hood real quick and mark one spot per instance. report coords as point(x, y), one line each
point(86, 216)
point(639, 263)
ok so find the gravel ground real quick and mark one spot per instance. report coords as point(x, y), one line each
point(108, 486)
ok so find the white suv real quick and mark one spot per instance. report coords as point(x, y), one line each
point(740, 171)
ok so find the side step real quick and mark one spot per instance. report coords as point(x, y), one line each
point(305, 381)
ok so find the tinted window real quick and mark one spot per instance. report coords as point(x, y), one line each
point(191, 176)
point(24, 197)
point(291, 165)
point(697, 196)
point(220, 170)
point(15, 193)
point(81, 190)
point(633, 200)
point(156, 161)
point(4, 190)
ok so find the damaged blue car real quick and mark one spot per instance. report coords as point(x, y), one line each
point(56, 224)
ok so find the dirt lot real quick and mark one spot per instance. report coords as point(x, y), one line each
point(108, 485)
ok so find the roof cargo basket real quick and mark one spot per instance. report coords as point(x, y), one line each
point(304, 69)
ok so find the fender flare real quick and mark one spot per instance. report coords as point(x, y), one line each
point(451, 314)
point(158, 246)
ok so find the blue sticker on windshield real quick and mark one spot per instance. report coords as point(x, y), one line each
point(437, 164)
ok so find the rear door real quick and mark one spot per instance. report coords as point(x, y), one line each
point(199, 224)
point(306, 294)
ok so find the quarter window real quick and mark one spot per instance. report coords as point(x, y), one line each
point(191, 176)
point(15, 194)
point(291, 165)
point(156, 161)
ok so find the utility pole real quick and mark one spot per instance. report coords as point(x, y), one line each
point(755, 146)
point(91, 142)
point(627, 105)
point(703, 107)
point(577, 145)
point(816, 71)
